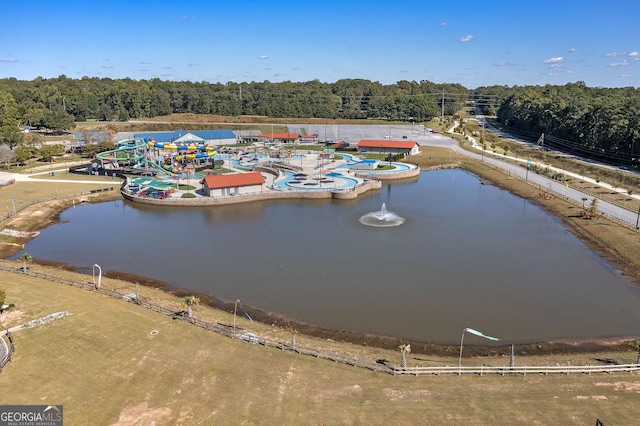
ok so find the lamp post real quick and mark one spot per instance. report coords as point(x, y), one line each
point(235, 308)
point(99, 275)
point(477, 333)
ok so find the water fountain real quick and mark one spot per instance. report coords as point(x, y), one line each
point(382, 218)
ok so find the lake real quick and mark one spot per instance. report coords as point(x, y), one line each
point(467, 255)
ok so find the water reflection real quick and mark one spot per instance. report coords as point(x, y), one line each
point(468, 255)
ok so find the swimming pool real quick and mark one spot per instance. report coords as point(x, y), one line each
point(324, 182)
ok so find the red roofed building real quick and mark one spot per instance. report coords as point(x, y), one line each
point(389, 147)
point(230, 184)
point(280, 137)
point(310, 138)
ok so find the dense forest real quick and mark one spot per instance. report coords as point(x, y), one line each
point(597, 123)
point(54, 103)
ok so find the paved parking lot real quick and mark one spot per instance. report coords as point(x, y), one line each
point(353, 133)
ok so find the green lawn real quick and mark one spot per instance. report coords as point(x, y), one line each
point(113, 361)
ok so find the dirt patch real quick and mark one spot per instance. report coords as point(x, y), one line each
point(11, 318)
point(141, 414)
point(19, 234)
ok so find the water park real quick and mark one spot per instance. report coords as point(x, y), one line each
point(200, 174)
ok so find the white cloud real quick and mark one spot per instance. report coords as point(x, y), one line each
point(615, 54)
point(624, 63)
point(8, 60)
point(634, 54)
point(554, 61)
point(107, 66)
point(444, 24)
point(573, 49)
point(466, 38)
point(504, 64)
point(263, 57)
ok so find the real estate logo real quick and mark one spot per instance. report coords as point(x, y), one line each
point(31, 415)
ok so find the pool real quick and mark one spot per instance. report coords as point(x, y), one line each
point(337, 181)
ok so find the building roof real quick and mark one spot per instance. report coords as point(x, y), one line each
point(194, 135)
point(214, 134)
point(233, 180)
point(374, 143)
point(189, 138)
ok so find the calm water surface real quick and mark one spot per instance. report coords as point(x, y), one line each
point(468, 255)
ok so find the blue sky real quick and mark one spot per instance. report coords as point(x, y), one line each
point(517, 42)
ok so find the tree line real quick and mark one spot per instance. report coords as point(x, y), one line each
point(594, 122)
point(56, 103)
point(601, 123)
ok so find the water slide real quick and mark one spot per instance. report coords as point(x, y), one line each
point(194, 156)
point(181, 147)
point(133, 151)
point(196, 151)
point(123, 151)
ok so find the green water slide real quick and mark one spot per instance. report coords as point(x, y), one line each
point(129, 151)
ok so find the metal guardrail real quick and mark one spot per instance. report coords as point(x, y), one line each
point(331, 356)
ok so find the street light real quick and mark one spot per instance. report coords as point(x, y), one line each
point(477, 333)
point(99, 275)
point(235, 308)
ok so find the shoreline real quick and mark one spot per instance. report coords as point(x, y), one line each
point(363, 339)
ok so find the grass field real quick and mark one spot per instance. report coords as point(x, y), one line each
point(113, 362)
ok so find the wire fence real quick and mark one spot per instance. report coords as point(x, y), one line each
point(8, 350)
point(18, 206)
point(291, 346)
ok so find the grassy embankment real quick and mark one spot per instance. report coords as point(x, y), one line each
point(104, 363)
point(113, 361)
